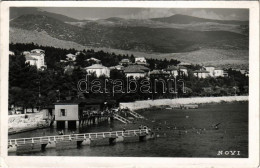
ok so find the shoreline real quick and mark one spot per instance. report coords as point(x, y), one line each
point(32, 122)
point(144, 104)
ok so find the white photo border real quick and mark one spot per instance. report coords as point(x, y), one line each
point(61, 161)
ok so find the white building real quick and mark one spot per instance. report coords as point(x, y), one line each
point(201, 73)
point(99, 70)
point(125, 62)
point(38, 56)
point(140, 60)
point(210, 69)
point(26, 52)
point(172, 70)
point(243, 71)
point(184, 64)
point(219, 72)
point(184, 70)
point(71, 57)
point(135, 73)
point(11, 53)
point(118, 67)
point(32, 61)
point(92, 59)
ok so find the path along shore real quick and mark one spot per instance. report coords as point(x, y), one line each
point(180, 101)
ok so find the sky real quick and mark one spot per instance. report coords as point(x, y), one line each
point(144, 13)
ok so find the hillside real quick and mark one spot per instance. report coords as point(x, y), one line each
point(217, 57)
point(145, 39)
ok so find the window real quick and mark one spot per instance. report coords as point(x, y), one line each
point(62, 112)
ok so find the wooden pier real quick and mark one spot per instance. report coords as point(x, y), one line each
point(23, 145)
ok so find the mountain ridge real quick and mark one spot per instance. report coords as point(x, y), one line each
point(164, 40)
point(186, 19)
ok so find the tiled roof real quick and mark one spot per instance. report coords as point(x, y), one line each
point(141, 67)
point(125, 60)
point(182, 67)
point(28, 57)
point(36, 54)
point(171, 68)
point(96, 66)
point(117, 67)
point(70, 55)
point(184, 63)
point(92, 58)
point(37, 50)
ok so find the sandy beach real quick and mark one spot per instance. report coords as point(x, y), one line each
point(180, 101)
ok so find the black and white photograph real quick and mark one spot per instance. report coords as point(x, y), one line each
point(153, 82)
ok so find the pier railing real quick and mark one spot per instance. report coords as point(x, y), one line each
point(76, 137)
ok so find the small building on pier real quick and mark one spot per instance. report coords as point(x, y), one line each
point(69, 113)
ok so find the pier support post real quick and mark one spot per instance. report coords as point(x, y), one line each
point(55, 124)
point(66, 124)
point(77, 124)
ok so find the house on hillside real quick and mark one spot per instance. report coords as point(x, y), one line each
point(63, 61)
point(94, 60)
point(225, 73)
point(140, 61)
point(32, 61)
point(218, 72)
point(243, 71)
point(38, 56)
point(247, 73)
point(135, 73)
point(26, 53)
point(183, 70)
point(210, 69)
point(201, 73)
point(117, 67)
point(78, 53)
point(173, 70)
point(184, 64)
point(11, 53)
point(71, 57)
point(125, 62)
point(99, 70)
